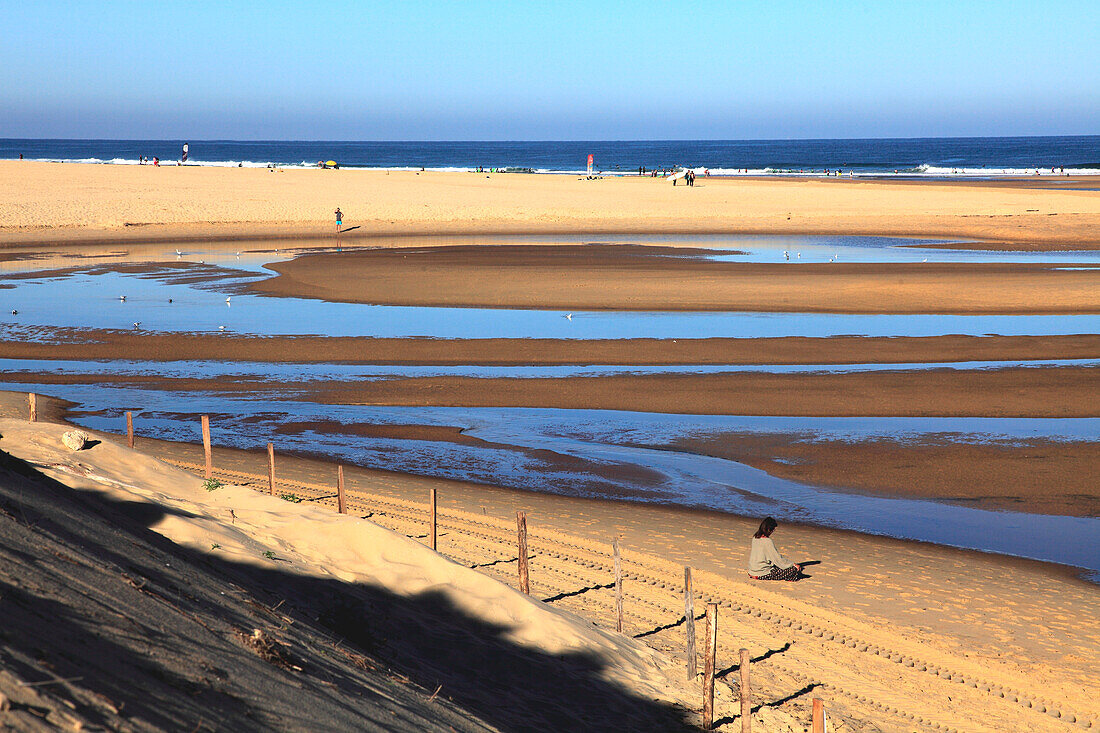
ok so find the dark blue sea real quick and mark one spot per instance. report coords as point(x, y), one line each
point(926, 157)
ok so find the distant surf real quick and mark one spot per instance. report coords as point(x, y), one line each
point(922, 158)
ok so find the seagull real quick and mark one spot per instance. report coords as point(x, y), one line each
point(169, 300)
point(15, 313)
point(137, 324)
point(227, 298)
point(798, 255)
point(178, 253)
point(122, 298)
point(221, 328)
point(568, 316)
point(925, 260)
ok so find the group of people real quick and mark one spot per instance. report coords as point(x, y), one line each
point(689, 178)
point(142, 160)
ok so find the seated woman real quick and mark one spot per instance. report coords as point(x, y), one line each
point(765, 562)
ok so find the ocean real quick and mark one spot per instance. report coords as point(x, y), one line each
point(913, 157)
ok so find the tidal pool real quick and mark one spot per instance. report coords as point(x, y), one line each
point(599, 444)
point(158, 301)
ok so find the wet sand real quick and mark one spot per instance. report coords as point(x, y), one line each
point(565, 277)
point(1043, 477)
point(1040, 392)
point(1035, 476)
point(75, 344)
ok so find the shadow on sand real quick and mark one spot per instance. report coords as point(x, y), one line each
point(156, 630)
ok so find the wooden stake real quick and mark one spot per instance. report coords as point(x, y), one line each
point(710, 651)
point(130, 429)
point(746, 693)
point(819, 716)
point(32, 405)
point(341, 503)
point(432, 530)
point(618, 587)
point(521, 528)
point(271, 468)
point(689, 624)
point(206, 446)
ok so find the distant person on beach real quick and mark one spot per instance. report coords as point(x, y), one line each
point(339, 220)
point(156, 161)
point(765, 562)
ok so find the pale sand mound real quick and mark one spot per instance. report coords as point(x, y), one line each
point(242, 527)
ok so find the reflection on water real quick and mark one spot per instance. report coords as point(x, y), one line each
point(299, 374)
point(598, 444)
point(576, 452)
point(142, 302)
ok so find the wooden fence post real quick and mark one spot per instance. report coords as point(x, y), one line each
point(618, 587)
point(521, 528)
point(271, 468)
point(32, 407)
point(819, 716)
point(130, 429)
point(710, 651)
point(206, 446)
point(341, 503)
point(689, 623)
point(746, 693)
point(432, 529)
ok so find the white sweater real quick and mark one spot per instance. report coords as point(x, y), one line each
point(764, 556)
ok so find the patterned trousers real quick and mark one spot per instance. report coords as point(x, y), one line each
point(791, 573)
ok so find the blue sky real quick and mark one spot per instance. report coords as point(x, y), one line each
point(464, 70)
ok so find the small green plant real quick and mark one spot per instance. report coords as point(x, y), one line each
point(269, 554)
point(215, 546)
point(212, 484)
point(292, 498)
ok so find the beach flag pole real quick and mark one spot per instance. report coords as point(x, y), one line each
point(618, 587)
point(341, 503)
point(710, 651)
point(819, 716)
point(521, 531)
point(746, 693)
point(431, 514)
point(32, 406)
point(689, 624)
point(206, 446)
point(271, 468)
point(130, 429)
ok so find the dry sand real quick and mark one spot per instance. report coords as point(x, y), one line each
point(907, 637)
point(67, 202)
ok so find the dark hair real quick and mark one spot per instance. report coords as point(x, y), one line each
point(766, 528)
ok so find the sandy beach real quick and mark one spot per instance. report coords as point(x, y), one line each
point(896, 635)
point(60, 202)
point(910, 637)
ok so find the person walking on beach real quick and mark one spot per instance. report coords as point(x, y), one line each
point(765, 562)
point(339, 219)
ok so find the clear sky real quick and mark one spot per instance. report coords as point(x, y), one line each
point(481, 70)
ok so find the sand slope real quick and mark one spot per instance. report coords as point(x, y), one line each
point(469, 611)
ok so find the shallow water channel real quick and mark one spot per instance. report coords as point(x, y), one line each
point(574, 452)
